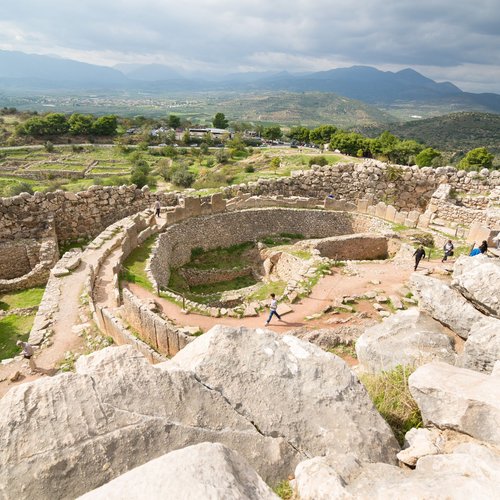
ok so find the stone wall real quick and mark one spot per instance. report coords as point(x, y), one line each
point(18, 257)
point(75, 215)
point(110, 325)
point(162, 335)
point(195, 277)
point(402, 186)
point(174, 246)
point(26, 263)
point(353, 247)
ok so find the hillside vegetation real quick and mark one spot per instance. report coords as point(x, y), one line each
point(455, 132)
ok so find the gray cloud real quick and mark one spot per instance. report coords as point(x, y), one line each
point(453, 40)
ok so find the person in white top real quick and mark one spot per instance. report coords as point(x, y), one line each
point(28, 354)
point(157, 208)
point(448, 250)
point(273, 307)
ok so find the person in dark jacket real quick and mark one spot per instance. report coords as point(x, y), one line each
point(483, 247)
point(419, 255)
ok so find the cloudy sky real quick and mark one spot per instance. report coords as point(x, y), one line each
point(450, 40)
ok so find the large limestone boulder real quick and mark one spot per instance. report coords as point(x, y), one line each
point(77, 431)
point(290, 388)
point(482, 349)
point(408, 338)
point(202, 471)
point(471, 471)
point(445, 304)
point(457, 398)
point(478, 279)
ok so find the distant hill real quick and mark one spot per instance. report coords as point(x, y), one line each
point(403, 93)
point(20, 70)
point(453, 132)
point(305, 108)
point(382, 88)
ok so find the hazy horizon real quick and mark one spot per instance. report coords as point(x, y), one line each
point(443, 41)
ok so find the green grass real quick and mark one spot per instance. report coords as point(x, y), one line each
point(220, 258)
point(342, 350)
point(284, 490)
point(391, 396)
point(302, 254)
point(30, 297)
point(12, 329)
point(134, 267)
point(263, 293)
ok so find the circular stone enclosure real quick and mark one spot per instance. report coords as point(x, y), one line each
point(174, 246)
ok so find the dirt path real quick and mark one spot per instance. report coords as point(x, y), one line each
point(63, 339)
point(327, 290)
point(355, 280)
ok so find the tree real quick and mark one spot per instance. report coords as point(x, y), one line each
point(322, 134)
point(55, 124)
point(348, 143)
point(426, 156)
point(105, 125)
point(174, 121)
point(80, 124)
point(299, 134)
point(183, 178)
point(476, 159)
point(140, 173)
point(273, 133)
point(220, 121)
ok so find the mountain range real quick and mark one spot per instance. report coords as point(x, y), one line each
point(28, 72)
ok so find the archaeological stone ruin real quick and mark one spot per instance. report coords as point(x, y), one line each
point(175, 409)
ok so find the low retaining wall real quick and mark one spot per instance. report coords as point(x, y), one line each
point(46, 257)
point(114, 328)
point(195, 277)
point(162, 335)
point(353, 247)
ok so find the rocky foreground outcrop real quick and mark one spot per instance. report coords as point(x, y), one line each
point(478, 279)
point(471, 471)
point(203, 471)
point(290, 388)
point(445, 304)
point(274, 400)
point(460, 399)
point(74, 432)
point(408, 338)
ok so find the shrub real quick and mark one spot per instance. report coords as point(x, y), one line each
point(391, 396)
point(20, 187)
point(183, 178)
point(249, 169)
point(49, 147)
point(318, 160)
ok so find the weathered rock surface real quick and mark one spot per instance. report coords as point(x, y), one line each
point(471, 471)
point(445, 304)
point(290, 388)
point(408, 338)
point(482, 349)
point(420, 443)
point(327, 338)
point(457, 398)
point(203, 471)
point(76, 431)
point(478, 279)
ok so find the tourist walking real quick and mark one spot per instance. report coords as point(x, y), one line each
point(157, 208)
point(273, 307)
point(448, 250)
point(28, 354)
point(419, 255)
